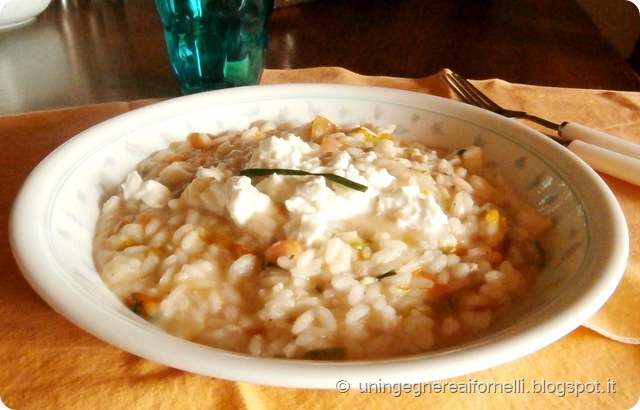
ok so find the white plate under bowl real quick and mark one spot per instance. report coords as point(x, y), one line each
point(53, 220)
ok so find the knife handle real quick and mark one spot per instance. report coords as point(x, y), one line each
point(572, 131)
point(608, 162)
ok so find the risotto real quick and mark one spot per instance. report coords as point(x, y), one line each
point(317, 242)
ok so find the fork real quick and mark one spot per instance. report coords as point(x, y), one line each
point(603, 152)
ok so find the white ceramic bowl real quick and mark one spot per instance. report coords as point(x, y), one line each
point(17, 12)
point(53, 221)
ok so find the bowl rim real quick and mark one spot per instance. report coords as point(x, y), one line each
point(145, 341)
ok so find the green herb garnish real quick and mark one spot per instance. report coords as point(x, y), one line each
point(256, 172)
point(387, 274)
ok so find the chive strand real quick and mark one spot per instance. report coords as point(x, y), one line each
point(255, 172)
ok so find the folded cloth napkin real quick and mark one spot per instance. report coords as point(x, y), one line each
point(49, 363)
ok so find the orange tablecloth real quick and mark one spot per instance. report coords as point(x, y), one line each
point(49, 363)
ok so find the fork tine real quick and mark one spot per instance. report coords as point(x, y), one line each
point(457, 90)
point(470, 92)
point(462, 89)
point(475, 93)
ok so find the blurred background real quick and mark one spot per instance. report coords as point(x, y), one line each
point(89, 51)
point(618, 20)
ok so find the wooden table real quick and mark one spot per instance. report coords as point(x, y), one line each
point(82, 52)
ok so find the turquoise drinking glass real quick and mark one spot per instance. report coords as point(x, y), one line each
point(214, 44)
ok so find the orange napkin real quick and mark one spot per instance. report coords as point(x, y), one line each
point(49, 363)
